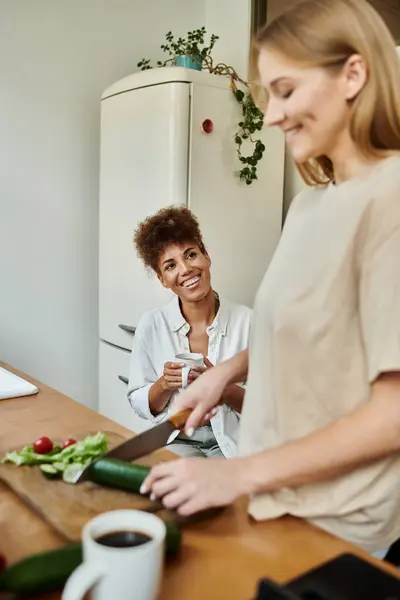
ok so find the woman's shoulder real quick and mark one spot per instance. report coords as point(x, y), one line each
point(382, 190)
point(307, 196)
point(152, 318)
point(235, 311)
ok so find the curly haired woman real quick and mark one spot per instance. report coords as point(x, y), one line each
point(196, 320)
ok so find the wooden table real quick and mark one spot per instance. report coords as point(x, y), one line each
point(229, 553)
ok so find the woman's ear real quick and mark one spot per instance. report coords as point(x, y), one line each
point(208, 259)
point(356, 74)
point(162, 280)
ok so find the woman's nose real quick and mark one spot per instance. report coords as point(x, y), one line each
point(274, 115)
point(183, 268)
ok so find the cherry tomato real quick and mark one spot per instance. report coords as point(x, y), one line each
point(69, 442)
point(43, 445)
point(3, 562)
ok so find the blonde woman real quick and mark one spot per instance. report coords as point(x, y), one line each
point(320, 429)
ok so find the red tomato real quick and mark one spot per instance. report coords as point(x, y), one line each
point(3, 562)
point(43, 445)
point(69, 442)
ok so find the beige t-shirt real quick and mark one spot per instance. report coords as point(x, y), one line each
point(326, 323)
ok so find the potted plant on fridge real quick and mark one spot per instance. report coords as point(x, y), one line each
point(193, 52)
point(189, 52)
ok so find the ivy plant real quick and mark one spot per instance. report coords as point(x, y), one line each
point(192, 45)
point(251, 119)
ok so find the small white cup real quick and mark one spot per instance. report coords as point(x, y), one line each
point(190, 360)
point(132, 573)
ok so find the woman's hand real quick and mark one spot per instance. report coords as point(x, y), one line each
point(193, 484)
point(172, 376)
point(202, 396)
point(195, 372)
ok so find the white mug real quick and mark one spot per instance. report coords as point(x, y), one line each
point(128, 573)
point(190, 360)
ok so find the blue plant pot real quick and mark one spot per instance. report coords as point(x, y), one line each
point(189, 62)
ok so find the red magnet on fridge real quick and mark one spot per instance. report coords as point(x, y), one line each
point(207, 126)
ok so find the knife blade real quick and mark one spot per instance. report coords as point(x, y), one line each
point(141, 444)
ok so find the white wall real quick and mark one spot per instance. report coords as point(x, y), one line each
point(56, 57)
point(231, 21)
point(292, 184)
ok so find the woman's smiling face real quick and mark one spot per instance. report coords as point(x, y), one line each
point(309, 104)
point(185, 270)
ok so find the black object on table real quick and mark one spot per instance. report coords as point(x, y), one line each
point(268, 590)
point(346, 577)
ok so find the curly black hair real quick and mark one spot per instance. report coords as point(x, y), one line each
point(170, 225)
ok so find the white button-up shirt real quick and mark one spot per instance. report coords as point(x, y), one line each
point(161, 334)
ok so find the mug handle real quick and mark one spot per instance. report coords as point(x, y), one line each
point(82, 580)
point(185, 375)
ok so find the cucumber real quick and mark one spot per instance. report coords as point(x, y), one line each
point(173, 538)
point(60, 466)
point(42, 572)
point(49, 471)
point(50, 570)
point(118, 474)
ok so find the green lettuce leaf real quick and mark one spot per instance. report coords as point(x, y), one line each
point(83, 452)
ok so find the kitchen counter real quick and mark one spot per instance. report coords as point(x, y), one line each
point(230, 552)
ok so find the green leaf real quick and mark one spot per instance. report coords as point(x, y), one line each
point(239, 95)
point(81, 452)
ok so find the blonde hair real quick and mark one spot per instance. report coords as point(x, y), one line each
point(326, 33)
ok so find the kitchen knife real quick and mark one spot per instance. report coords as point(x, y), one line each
point(141, 444)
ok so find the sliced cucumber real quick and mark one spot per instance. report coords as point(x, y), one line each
point(118, 474)
point(71, 471)
point(60, 466)
point(50, 570)
point(50, 471)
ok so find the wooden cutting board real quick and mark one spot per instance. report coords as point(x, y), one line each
point(68, 507)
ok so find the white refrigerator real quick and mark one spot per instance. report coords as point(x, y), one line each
point(154, 153)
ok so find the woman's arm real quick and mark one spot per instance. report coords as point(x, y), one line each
point(233, 396)
point(146, 393)
point(206, 392)
point(369, 433)
point(236, 367)
point(161, 391)
point(159, 396)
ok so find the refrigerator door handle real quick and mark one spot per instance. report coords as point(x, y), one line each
point(123, 379)
point(128, 328)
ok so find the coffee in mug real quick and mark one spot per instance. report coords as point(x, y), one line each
point(123, 557)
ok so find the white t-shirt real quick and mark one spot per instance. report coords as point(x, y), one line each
point(326, 324)
point(161, 334)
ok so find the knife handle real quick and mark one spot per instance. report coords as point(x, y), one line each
point(179, 419)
